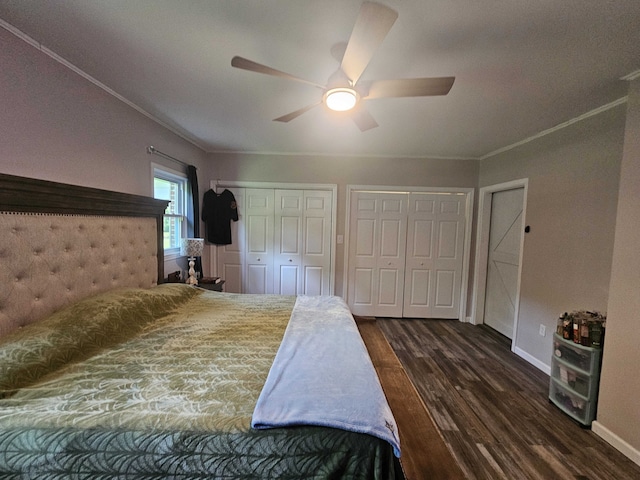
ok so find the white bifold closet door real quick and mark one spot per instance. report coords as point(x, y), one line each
point(378, 229)
point(283, 244)
point(406, 254)
point(302, 242)
point(230, 258)
point(258, 220)
point(435, 247)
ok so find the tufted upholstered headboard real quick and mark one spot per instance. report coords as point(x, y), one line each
point(60, 243)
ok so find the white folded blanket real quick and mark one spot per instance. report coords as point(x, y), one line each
point(322, 375)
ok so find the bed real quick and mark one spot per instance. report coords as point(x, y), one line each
point(107, 374)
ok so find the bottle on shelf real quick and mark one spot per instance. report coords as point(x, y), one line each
point(584, 333)
point(595, 334)
point(566, 324)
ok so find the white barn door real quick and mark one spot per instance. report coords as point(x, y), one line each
point(505, 238)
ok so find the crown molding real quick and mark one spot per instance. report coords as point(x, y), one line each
point(53, 55)
point(560, 126)
point(631, 76)
point(338, 155)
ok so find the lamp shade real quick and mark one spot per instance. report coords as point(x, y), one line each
point(192, 247)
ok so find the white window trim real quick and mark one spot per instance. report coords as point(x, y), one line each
point(166, 173)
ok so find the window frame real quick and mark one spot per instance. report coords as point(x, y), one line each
point(170, 175)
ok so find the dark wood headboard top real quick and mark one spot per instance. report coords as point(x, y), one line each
point(20, 194)
point(32, 195)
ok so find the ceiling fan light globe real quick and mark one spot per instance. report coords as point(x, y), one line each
point(341, 99)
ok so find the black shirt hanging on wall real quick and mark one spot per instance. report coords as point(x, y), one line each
point(217, 213)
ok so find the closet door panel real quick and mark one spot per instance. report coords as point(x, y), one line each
point(230, 258)
point(391, 263)
point(288, 242)
point(259, 212)
point(418, 286)
point(444, 292)
point(448, 256)
point(314, 280)
point(257, 278)
point(287, 280)
point(420, 261)
point(363, 291)
point(362, 261)
point(388, 287)
point(377, 253)
point(317, 236)
point(232, 275)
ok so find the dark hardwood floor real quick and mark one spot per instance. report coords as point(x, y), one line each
point(492, 407)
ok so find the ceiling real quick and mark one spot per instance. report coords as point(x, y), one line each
point(521, 67)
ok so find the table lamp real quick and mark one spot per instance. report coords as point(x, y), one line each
point(192, 247)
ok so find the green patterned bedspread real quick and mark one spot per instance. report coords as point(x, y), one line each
point(160, 383)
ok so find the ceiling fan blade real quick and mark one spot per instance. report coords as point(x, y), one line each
point(290, 116)
point(410, 87)
point(337, 51)
point(243, 63)
point(363, 119)
point(372, 25)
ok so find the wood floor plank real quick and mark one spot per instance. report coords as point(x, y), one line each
point(468, 457)
point(424, 453)
point(492, 407)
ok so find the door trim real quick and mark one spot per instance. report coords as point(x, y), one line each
point(482, 251)
point(332, 187)
point(468, 192)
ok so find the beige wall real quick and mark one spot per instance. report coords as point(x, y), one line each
point(344, 171)
point(619, 403)
point(56, 125)
point(571, 206)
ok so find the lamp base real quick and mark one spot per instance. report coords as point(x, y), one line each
point(192, 280)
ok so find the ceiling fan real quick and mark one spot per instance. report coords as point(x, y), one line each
point(344, 91)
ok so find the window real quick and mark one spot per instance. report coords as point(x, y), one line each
point(172, 186)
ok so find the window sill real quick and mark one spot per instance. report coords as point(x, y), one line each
point(172, 256)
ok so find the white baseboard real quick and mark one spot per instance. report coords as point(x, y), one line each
point(533, 361)
point(619, 444)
